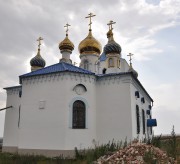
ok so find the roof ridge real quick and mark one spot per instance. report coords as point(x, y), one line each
point(64, 66)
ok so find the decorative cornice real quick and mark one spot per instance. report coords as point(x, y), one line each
point(14, 90)
point(59, 77)
point(87, 55)
point(13, 87)
point(115, 78)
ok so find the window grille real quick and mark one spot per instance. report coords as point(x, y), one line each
point(137, 119)
point(143, 120)
point(79, 115)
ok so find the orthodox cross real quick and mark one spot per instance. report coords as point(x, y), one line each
point(130, 56)
point(39, 40)
point(110, 24)
point(67, 28)
point(90, 15)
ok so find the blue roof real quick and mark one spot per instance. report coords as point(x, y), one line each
point(103, 57)
point(65, 67)
point(59, 67)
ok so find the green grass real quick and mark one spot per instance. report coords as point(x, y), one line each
point(171, 145)
point(91, 155)
point(82, 156)
point(7, 158)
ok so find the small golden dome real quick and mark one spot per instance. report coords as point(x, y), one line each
point(90, 45)
point(66, 44)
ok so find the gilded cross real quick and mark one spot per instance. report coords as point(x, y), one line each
point(67, 28)
point(90, 15)
point(130, 56)
point(110, 24)
point(39, 40)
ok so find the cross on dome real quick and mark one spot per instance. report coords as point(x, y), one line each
point(67, 28)
point(110, 24)
point(130, 58)
point(90, 15)
point(39, 40)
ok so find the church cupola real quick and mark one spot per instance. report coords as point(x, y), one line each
point(130, 67)
point(66, 47)
point(111, 46)
point(90, 45)
point(112, 51)
point(89, 49)
point(37, 62)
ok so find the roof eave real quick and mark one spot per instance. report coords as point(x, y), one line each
point(132, 75)
point(22, 76)
point(18, 86)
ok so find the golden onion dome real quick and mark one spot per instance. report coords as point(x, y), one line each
point(66, 44)
point(90, 45)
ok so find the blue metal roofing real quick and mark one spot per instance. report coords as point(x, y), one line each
point(103, 57)
point(59, 67)
point(113, 74)
point(65, 67)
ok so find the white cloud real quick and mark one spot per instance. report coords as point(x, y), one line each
point(166, 95)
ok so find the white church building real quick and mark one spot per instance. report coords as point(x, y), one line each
point(62, 106)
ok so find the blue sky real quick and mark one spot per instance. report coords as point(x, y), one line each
point(149, 29)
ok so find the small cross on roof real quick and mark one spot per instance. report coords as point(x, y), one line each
point(39, 41)
point(67, 28)
point(110, 24)
point(90, 15)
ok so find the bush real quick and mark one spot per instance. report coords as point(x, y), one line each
point(91, 155)
point(170, 145)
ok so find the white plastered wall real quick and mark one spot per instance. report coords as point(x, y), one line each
point(137, 101)
point(113, 109)
point(124, 67)
point(50, 128)
point(10, 138)
point(92, 59)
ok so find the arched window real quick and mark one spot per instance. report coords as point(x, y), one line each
point(97, 66)
point(118, 63)
point(111, 62)
point(104, 71)
point(143, 120)
point(79, 115)
point(137, 119)
point(86, 65)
